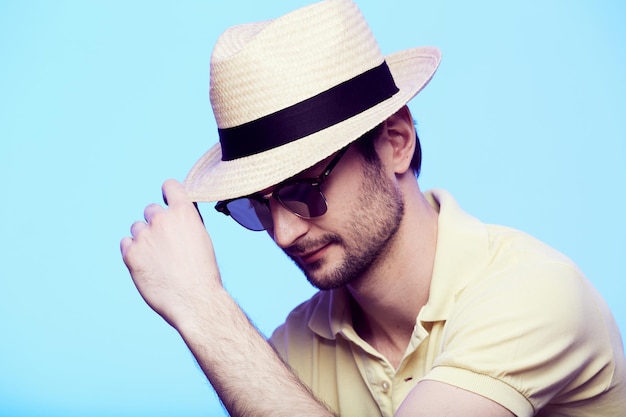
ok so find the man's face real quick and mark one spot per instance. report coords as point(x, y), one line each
point(364, 212)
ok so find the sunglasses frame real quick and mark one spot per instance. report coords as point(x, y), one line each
point(315, 182)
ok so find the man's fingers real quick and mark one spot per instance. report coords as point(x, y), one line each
point(151, 210)
point(155, 214)
point(125, 243)
point(136, 228)
point(174, 192)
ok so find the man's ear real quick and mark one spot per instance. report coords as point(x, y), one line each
point(400, 138)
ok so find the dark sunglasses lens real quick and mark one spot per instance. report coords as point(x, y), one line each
point(303, 199)
point(250, 213)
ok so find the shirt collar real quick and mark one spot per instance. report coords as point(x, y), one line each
point(462, 250)
point(331, 313)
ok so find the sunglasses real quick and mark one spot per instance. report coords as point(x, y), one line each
point(301, 196)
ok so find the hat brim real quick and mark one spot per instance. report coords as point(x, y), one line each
point(212, 179)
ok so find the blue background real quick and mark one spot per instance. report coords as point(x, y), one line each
point(100, 101)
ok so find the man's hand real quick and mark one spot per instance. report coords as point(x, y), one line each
point(170, 257)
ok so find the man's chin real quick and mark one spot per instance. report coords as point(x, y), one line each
point(325, 281)
point(320, 274)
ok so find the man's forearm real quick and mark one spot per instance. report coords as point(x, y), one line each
point(171, 260)
point(246, 372)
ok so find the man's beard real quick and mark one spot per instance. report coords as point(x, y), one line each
point(365, 238)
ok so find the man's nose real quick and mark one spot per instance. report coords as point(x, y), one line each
point(288, 227)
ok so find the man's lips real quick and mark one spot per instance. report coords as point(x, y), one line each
point(312, 256)
point(308, 252)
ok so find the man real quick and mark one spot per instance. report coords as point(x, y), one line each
point(423, 310)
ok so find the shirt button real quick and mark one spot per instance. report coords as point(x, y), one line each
point(385, 386)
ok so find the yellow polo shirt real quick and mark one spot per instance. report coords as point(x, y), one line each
point(507, 317)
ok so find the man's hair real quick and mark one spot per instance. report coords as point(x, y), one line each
point(365, 145)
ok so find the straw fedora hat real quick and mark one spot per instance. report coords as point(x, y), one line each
point(289, 92)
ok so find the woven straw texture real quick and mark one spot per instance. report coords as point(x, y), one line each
point(260, 68)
